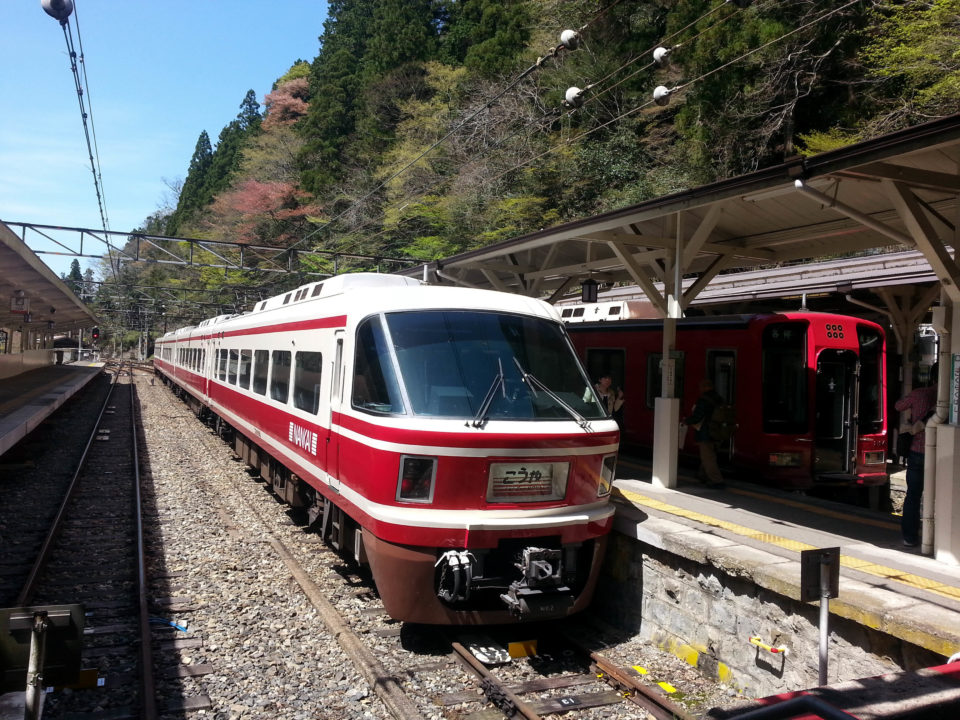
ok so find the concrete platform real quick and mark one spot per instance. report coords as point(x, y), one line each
point(760, 533)
point(712, 563)
point(26, 400)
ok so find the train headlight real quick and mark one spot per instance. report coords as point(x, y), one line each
point(874, 458)
point(785, 459)
point(607, 472)
point(417, 477)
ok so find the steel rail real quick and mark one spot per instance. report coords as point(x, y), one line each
point(148, 705)
point(518, 706)
point(651, 700)
point(29, 587)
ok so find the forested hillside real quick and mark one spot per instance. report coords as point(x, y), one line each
point(423, 128)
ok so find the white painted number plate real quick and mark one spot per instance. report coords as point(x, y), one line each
point(513, 482)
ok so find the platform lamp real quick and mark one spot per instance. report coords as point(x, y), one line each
point(588, 290)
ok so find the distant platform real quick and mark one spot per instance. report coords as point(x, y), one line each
point(27, 399)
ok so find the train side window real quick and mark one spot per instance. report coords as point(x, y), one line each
point(222, 365)
point(243, 376)
point(280, 375)
point(261, 362)
point(655, 376)
point(375, 386)
point(607, 361)
point(871, 379)
point(306, 381)
point(722, 371)
point(232, 367)
point(784, 382)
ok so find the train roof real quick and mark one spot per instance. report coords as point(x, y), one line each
point(370, 293)
point(712, 321)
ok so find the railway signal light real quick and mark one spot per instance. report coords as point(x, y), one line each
point(95, 333)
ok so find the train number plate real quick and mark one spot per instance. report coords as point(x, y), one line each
point(519, 482)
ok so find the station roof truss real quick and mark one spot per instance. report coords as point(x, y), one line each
point(118, 248)
point(52, 304)
point(894, 193)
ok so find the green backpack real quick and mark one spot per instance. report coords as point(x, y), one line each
point(722, 423)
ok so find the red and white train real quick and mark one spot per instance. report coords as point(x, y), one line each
point(449, 437)
point(809, 388)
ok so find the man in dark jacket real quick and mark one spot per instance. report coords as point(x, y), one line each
point(700, 419)
point(920, 405)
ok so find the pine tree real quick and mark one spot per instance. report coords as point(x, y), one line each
point(192, 196)
point(335, 85)
point(249, 117)
point(74, 278)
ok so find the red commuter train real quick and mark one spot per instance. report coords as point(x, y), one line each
point(449, 437)
point(809, 388)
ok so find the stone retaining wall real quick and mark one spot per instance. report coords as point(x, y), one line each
point(707, 616)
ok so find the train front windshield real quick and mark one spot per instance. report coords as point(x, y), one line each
point(470, 364)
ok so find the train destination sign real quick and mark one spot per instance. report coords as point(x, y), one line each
point(517, 482)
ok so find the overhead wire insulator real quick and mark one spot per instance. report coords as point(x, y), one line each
point(660, 55)
point(570, 39)
point(573, 97)
point(57, 9)
point(661, 95)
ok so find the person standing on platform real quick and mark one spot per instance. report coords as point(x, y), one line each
point(699, 419)
point(611, 397)
point(920, 403)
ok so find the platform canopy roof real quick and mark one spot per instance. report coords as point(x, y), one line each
point(898, 191)
point(24, 277)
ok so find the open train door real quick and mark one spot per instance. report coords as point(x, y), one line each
point(835, 428)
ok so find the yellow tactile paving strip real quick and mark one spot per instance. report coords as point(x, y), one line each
point(905, 578)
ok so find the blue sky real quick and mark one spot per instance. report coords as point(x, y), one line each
point(159, 73)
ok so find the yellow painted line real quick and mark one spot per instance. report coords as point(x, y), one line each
point(641, 670)
point(888, 524)
point(900, 576)
point(667, 687)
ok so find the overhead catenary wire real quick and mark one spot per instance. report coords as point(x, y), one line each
point(567, 42)
point(93, 126)
point(653, 49)
point(551, 115)
point(659, 97)
point(62, 10)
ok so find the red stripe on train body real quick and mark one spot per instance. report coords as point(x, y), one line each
point(448, 436)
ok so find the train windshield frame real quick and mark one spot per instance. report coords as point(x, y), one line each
point(446, 363)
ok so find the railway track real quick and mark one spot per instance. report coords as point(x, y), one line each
point(34, 477)
point(590, 682)
point(417, 671)
point(92, 561)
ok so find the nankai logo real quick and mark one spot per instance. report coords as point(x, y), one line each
point(303, 438)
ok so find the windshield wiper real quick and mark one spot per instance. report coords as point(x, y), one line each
point(480, 419)
point(531, 380)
